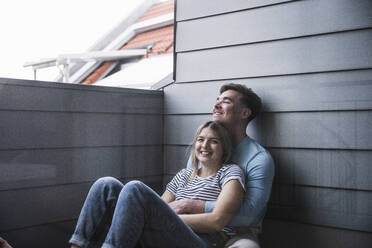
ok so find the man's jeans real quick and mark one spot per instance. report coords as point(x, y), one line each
point(133, 215)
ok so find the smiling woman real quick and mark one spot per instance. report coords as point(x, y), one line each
point(211, 147)
point(137, 216)
point(208, 149)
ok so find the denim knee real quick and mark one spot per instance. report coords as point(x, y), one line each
point(138, 188)
point(107, 183)
point(135, 184)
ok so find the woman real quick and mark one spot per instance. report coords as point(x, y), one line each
point(140, 218)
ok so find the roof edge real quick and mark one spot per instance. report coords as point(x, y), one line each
point(127, 35)
point(107, 38)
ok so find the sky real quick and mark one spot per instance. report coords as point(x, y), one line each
point(34, 29)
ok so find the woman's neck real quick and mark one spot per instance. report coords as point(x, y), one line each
point(207, 170)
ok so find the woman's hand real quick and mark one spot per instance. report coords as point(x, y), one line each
point(188, 206)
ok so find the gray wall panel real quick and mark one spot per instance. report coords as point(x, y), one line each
point(37, 206)
point(323, 206)
point(312, 66)
point(167, 179)
point(181, 128)
point(20, 95)
point(293, 56)
point(336, 130)
point(351, 90)
point(302, 18)
point(324, 168)
point(29, 129)
point(326, 130)
point(345, 169)
point(56, 139)
point(35, 168)
point(175, 158)
point(49, 235)
point(347, 209)
point(294, 235)
point(41, 205)
point(186, 8)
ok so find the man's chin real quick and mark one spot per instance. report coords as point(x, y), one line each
point(222, 121)
point(218, 119)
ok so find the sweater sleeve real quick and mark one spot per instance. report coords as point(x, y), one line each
point(259, 175)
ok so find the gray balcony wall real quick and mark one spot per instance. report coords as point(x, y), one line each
point(311, 62)
point(57, 139)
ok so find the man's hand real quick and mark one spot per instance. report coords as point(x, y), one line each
point(188, 206)
point(4, 244)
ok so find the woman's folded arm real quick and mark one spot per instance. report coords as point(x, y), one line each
point(227, 205)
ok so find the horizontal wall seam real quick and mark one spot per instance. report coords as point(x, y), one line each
point(274, 40)
point(235, 11)
point(273, 75)
point(89, 88)
point(79, 147)
point(316, 225)
point(292, 185)
point(320, 187)
point(350, 227)
point(284, 111)
point(288, 148)
point(39, 225)
point(160, 176)
point(82, 112)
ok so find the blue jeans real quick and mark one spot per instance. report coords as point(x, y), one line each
point(133, 215)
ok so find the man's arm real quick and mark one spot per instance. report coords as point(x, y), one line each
point(185, 206)
point(259, 177)
point(188, 206)
point(227, 205)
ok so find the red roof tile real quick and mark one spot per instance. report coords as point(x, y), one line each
point(158, 9)
point(162, 37)
point(97, 73)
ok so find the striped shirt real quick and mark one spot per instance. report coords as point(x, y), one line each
point(204, 188)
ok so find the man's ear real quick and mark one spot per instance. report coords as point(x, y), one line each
point(246, 113)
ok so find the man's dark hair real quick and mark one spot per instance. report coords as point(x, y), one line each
point(248, 98)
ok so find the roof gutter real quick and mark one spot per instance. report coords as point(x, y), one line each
point(99, 56)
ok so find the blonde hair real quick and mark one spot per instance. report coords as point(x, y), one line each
point(225, 140)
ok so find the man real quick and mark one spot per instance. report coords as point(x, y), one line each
point(235, 108)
